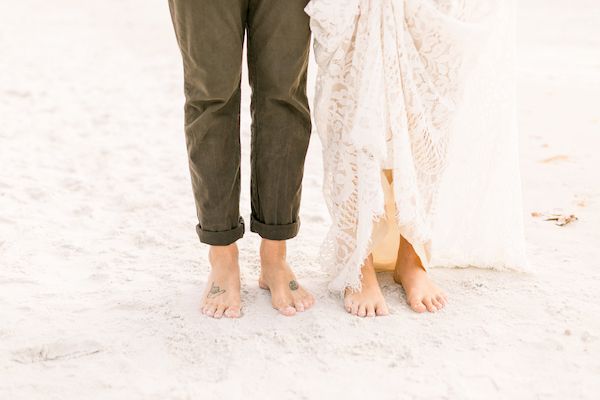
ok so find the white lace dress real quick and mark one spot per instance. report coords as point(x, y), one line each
point(421, 89)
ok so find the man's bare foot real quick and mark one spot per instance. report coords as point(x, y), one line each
point(369, 302)
point(222, 294)
point(421, 293)
point(287, 296)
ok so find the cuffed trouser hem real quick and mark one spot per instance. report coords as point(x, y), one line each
point(221, 238)
point(275, 232)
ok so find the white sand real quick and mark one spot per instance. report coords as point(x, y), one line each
point(101, 271)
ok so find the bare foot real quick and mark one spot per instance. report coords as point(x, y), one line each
point(369, 302)
point(421, 293)
point(287, 296)
point(222, 294)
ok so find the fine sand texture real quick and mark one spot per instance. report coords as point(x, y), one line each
point(101, 271)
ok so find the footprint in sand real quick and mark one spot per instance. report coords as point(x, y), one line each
point(54, 351)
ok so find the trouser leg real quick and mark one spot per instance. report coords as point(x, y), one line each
point(278, 51)
point(210, 34)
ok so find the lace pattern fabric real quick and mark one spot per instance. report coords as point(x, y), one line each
point(399, 82)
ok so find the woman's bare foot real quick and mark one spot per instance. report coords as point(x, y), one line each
point(222, 294)
point(369, 302)
point(287, 296)
point(421, 293)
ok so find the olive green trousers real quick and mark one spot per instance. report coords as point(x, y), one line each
point(211, 34)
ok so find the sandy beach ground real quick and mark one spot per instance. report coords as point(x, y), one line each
point(101, 271)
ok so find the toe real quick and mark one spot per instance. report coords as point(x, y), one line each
point(233, 312)
point(370, 310)
point(308, 301)
point(286, 310)
point(299, 305)
point(440, 299)
point(219, 311)
point(437, 304)
point(381, 309)
point(210, 310)
point(204, 307)
point(417, 305)
point(429, 304)
point(354, 308)
point(362, 311)
point(348, 304)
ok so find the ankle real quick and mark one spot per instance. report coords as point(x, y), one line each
point(409, 269)
point(228, 255)
point(272, 251)
point(407, 252)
